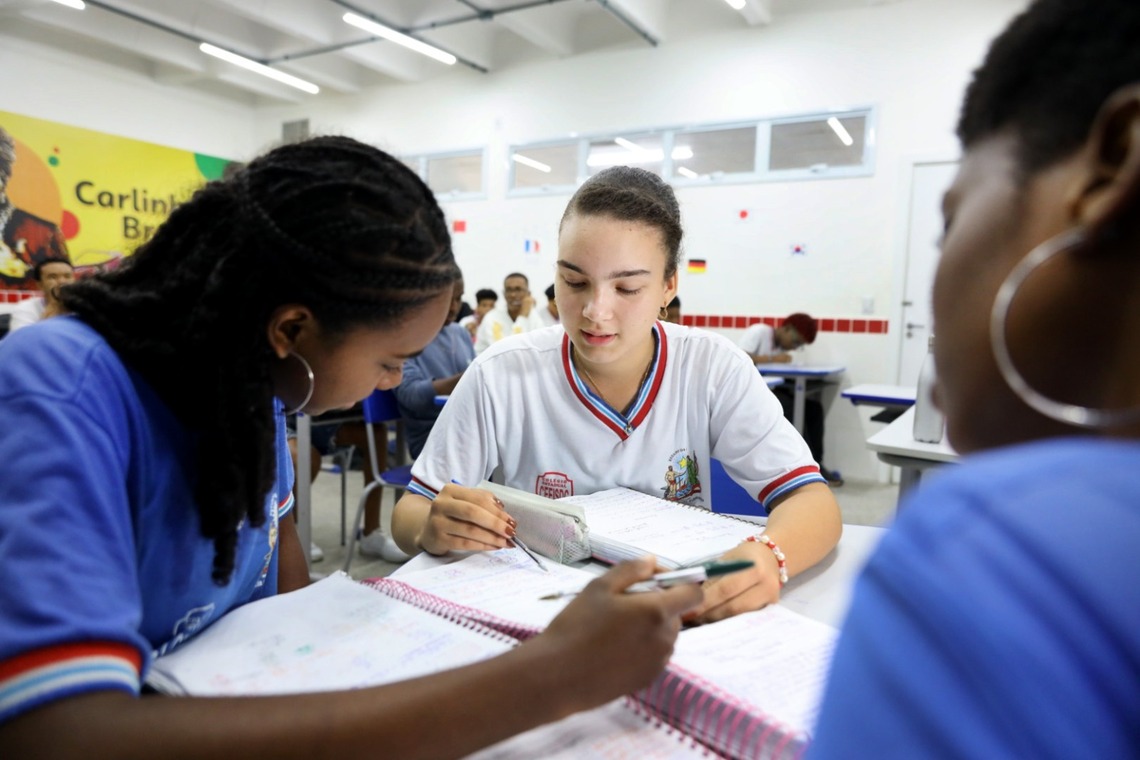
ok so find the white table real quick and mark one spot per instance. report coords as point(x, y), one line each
point(895, 445)
point(822, 592)
point(800, 374)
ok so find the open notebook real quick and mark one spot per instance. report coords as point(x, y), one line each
point(619, 524)
point(340, 634)
point(746, 687)
point(749, 686)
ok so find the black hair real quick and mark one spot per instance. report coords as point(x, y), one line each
point(1047, 75)
point(631, 194)
point(518, 274)
point(675, 303)
point(486, 294)
point(329, 223)
point(38, 269)
point(550, 293)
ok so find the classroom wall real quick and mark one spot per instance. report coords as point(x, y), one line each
point(50, 83)
point(910, 60)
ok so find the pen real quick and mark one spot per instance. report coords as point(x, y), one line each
point(518, 542)
point(695, 574)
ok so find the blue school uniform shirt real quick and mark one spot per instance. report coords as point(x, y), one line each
point(99, 532)
point(1000, 616)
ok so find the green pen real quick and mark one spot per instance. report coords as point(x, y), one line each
point(695, 574)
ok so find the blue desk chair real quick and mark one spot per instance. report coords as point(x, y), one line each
point(727, 495)
point(381, 410)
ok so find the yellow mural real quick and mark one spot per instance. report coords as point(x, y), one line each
point(85, 195)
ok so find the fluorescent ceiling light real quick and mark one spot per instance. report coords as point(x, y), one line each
point(736, 5)
point(639, 156)
point(685, 171)
point(627, 144)
point(76, 4)
point(400, 39)
point(258, 68)
point(844, 135)
point(519, 158)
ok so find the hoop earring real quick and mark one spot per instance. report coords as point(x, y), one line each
point(663, 313)
point(1071, 414)
point(312, 383)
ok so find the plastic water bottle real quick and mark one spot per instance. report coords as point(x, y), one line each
point(928, 420)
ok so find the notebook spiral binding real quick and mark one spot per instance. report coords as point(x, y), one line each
point(468, 617)
point(718, 719)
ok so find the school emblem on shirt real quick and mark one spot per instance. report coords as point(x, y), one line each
point(682, 476)
point(554, 485)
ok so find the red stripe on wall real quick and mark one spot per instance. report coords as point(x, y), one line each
point(826, 324)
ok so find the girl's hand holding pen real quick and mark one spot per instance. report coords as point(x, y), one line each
point(466, 519)
point(748, 590)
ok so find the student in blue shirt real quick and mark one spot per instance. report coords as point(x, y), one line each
point(145, 480)
point(1000, 617)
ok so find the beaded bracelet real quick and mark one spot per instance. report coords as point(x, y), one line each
point(781, 562)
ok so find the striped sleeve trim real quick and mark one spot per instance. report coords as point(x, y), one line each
point(789, 482)
point(285, 506)
point(421, 488)
point(45, 675)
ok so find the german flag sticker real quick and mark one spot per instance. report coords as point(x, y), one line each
point(697, 266)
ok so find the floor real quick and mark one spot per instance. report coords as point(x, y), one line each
point(862, 503)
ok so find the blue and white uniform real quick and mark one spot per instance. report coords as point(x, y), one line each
point(99, 532)
point(521, 411)
point(1000, 616)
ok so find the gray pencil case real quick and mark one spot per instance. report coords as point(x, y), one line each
point(549, 527)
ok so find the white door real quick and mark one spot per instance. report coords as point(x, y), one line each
point(928, 183)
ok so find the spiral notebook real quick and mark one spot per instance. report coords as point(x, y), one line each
point(340, 634)
point(625, 524)
point(745, 687)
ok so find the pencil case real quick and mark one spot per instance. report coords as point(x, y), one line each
point(549, 527)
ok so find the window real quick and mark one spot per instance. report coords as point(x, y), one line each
point(458, 174)
point(818, 144)
point(714, 152)
point(544, 166)
point(645, 149)
point(814, 146)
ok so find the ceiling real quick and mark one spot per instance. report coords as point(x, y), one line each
point(308, 39)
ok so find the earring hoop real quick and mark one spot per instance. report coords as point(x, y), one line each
point(663, 313)
point(1071, 414)
point(312, 383)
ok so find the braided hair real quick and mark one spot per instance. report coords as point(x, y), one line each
point(331, 223)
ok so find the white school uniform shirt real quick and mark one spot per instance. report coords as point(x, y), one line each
point(522, 413)
point(759, 340)
point(497, 324)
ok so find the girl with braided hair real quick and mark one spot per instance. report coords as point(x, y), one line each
point(146, 492)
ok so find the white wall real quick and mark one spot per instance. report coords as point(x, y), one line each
point(49, 83)
point(910, 60)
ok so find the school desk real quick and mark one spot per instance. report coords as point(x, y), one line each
point(800, 374)
point(895, 445)
point(822, 592)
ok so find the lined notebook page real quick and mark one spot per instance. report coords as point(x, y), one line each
point(625, 524)
point(505, 583)
point(775, 661)
point(333, 634)
point(613, 731)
